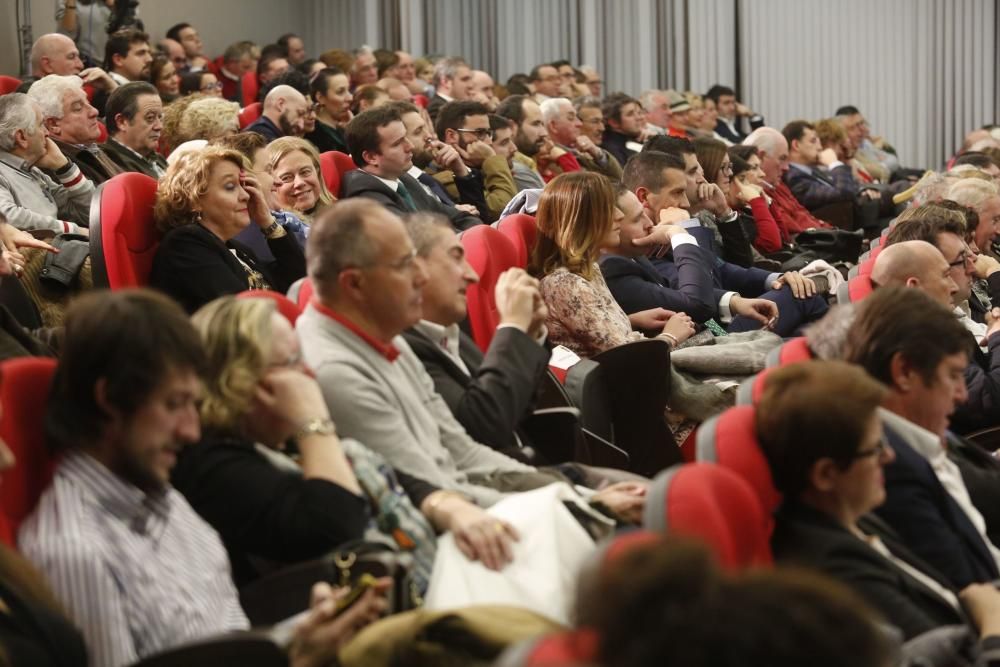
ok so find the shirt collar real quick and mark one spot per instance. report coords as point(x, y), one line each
point(389, 351)
point(15, 161)
point(445, 337)
point(392, 185)
point(927, 444)
point(131, 150)
point(413, 171)
point(118, 497)
point(801, 167)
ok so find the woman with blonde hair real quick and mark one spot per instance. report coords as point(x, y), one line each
point(577, 218)
point(298, 177)
point(205, 199)
point(258, 396)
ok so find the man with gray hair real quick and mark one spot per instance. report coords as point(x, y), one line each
point(284, 114)
point(984, 198)
point(790, 215)
point(566, 130)
point(55, 53)
point(72, 124)
point(657, 107)
point(364, 70)
point(29, 198)
point(452, 81)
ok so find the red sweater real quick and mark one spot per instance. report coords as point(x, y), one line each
point(790, 215)
point(768, 235)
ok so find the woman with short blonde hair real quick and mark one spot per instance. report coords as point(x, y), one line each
point(298, 177)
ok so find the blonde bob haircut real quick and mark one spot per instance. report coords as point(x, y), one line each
point(575, 214)
point(280, 148)
point(236, 334)
point(186, 182)
point(208, 118)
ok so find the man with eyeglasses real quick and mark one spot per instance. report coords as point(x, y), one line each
point(379, 144)
point(566, 130)
point(483, 178)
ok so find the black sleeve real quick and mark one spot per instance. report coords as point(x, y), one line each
point(289, 262)
point(470, 191)
point(262, 510)
point(192, 271)
point(736, 247)
point(416, 489)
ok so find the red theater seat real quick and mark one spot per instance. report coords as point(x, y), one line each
point(286, 307)
point(123, 236)
point(522, 231)
point(8, 84)
point(249, 113)
point(490, 254)
point(334, 165)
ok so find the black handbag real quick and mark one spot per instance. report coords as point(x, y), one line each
point(831, 245)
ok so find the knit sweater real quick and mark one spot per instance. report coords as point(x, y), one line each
point(30, 199)
point(392, 408)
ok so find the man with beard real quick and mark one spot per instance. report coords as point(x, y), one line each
point(135, 121)
point(535, 151)
point(284, 114)
point(127, 56)
point(487, 182)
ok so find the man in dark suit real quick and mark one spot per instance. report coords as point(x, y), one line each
point(488, 394)
point(379, 145)
point(689, 276)
point(919, 350)
point(816, 176)
point(452, 81)
point(135, 121)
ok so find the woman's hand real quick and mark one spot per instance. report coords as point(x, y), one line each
point(982, 602)
point(626, 500)
point(478, 535)
point(680, 327)
point(260, 212)
point(291, 395)
point(650, 320)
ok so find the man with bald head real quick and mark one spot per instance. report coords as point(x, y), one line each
point(284, 114)
point(483, 90)
point(915, 264)
point(790, 215)
point(55, 53)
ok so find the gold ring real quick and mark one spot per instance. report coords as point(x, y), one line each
point(499, 527)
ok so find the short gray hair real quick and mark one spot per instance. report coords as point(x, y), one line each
point(972, 192)
point(553, 107)
point(646, 99)
point(766, 139)
point(17, 112)
point(425, 230)
point(447, 68)
point(587, 102)
point(338, 241)
point(50, 91)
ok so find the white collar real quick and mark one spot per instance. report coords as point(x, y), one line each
point(927, 444)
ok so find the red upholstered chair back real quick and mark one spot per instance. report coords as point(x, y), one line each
point(24, 393)
point(421, 101)
point(334, 165)
point(104, 132)
point(286, 307)
point(250, 88)
point(305, 294)
point(713, 504)
point(730, 440)
point(123, 236)
point(865, 267)
point(490, 254)
point(250, 112)
point(522, 231)
point(791, 351)
point(855, 289)
point(8, 84)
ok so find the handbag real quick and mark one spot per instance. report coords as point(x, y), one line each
point(832, 245)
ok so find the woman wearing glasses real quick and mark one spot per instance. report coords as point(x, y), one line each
point(203, 82)
point(820, 431)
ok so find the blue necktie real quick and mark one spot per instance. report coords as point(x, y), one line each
point(432, 184)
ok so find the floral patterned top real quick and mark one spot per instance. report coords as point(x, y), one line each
point(583, 315)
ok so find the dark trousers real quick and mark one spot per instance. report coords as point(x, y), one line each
point(792, 313)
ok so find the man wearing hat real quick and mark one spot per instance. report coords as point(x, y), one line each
point(678, 121)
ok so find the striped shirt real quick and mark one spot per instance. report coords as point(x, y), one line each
point(138, 573)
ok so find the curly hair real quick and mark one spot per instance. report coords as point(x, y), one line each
point(185, 182)
point(208, 118)
point(237, 335)
point(173, 114)
point(575, 213)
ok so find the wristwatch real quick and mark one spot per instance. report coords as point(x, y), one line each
point(315, 427)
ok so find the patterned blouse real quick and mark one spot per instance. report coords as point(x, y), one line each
point(583, 315)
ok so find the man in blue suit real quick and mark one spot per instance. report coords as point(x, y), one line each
point(919, 350)
point(688, 276)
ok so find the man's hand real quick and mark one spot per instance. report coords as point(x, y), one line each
point(53, 158)
point(448, 158)
point(743, 110)
point(476, 153)
point(319, 638)
point(762, 310)
point(516, 298)
point(260, 212)
point(802, 287)
point(468, 208)
point(659, 238)
point(652, 319)
point(713, 199)
point(986, 265)
point(827, 156)
point(585, 144)
point(98, 78)
point(992, 325)
point(13, 238)
point(625, 499)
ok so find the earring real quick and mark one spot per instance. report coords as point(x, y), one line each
point(196, 217)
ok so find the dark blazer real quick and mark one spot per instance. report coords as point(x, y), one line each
point(129, 161)
point(981, 474)
point(32, 634)
point(637, 285)
point(806, 537)
point(614, 143)
point(96, 170)
point(435, 105)
point(359, 183)
point(326, 138)
point(747, 281)
point(266, 128)
point(982, 379)
point(929, 521)
point(499, 393)
point(814, 191)
point(194, 266)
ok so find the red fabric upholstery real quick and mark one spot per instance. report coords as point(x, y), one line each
point(730, 440)
point(865, 267)
point(565, 649)
point(792, 351)
point(421, 101)
point(522, 231)
point(334, 165)
point(859, 287)
point(250, 112)
point(714, 504)
point(250, 87)
point(8, 84)
point(305, 294)
point(490, 254)
point(122, 251)
point(104, 132)
point(286, 307)
point(24, 393)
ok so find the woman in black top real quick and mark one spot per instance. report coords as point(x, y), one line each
point(205, 200)
point(331, 92)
